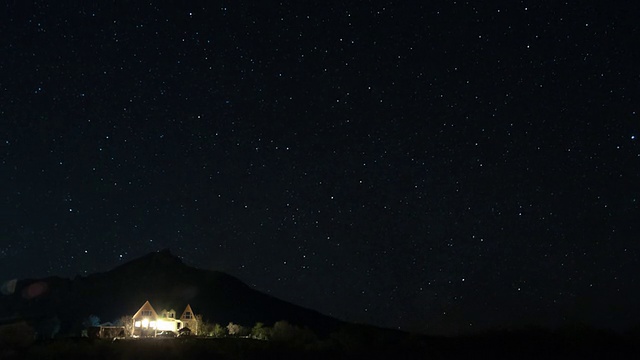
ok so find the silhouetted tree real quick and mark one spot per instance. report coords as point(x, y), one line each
point(205, 329)
point(259, 331)
point(48, 328)
point(199, 330)
point(284, 331)
point(91, 320)
point(127, 322)
point(218, 331)
point(236, 330)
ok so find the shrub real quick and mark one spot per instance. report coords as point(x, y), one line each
point(18, 335)
point(260, 332)
point(237, 330)
point(218, 331)
point(285, 332)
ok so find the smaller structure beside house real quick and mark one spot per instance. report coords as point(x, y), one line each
point(105, 331)
point(148, 323)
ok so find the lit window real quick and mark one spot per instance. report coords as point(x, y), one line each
point(152, 324)
point(145, 323)
point(137, 324)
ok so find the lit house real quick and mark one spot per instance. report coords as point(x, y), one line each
point(147, 322)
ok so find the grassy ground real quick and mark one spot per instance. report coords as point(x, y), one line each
point(172, 348)
point(488, 346)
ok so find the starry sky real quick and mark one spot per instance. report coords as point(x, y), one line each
point(442, 168)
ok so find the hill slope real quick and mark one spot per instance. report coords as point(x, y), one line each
point(167, 283)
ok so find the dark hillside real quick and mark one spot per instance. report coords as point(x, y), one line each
point(166, 282)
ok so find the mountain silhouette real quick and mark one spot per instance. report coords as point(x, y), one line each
point(165, 281)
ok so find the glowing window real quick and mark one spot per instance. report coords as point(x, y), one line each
point(152, 324)
point(165, 325)
point(137, 324)
point(145, 323)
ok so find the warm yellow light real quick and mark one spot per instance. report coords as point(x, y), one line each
point(168, 324)
point(152, 324)
point(137, 324)
point(145, 323)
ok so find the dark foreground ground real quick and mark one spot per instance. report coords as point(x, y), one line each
point(494, 346)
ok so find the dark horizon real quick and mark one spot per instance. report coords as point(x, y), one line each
point(568, 325)
point(437, 168)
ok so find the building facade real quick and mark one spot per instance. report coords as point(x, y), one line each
point(149, 323)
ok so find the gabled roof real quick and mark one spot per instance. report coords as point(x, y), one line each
point(146, 306)
point(187, 309)
point(164, 312)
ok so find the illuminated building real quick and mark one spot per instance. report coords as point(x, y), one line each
point(148, 323)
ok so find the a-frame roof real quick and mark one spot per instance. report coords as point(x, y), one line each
point(146, 306)
point(187, 309)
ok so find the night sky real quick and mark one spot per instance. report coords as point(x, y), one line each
point(439, 168)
